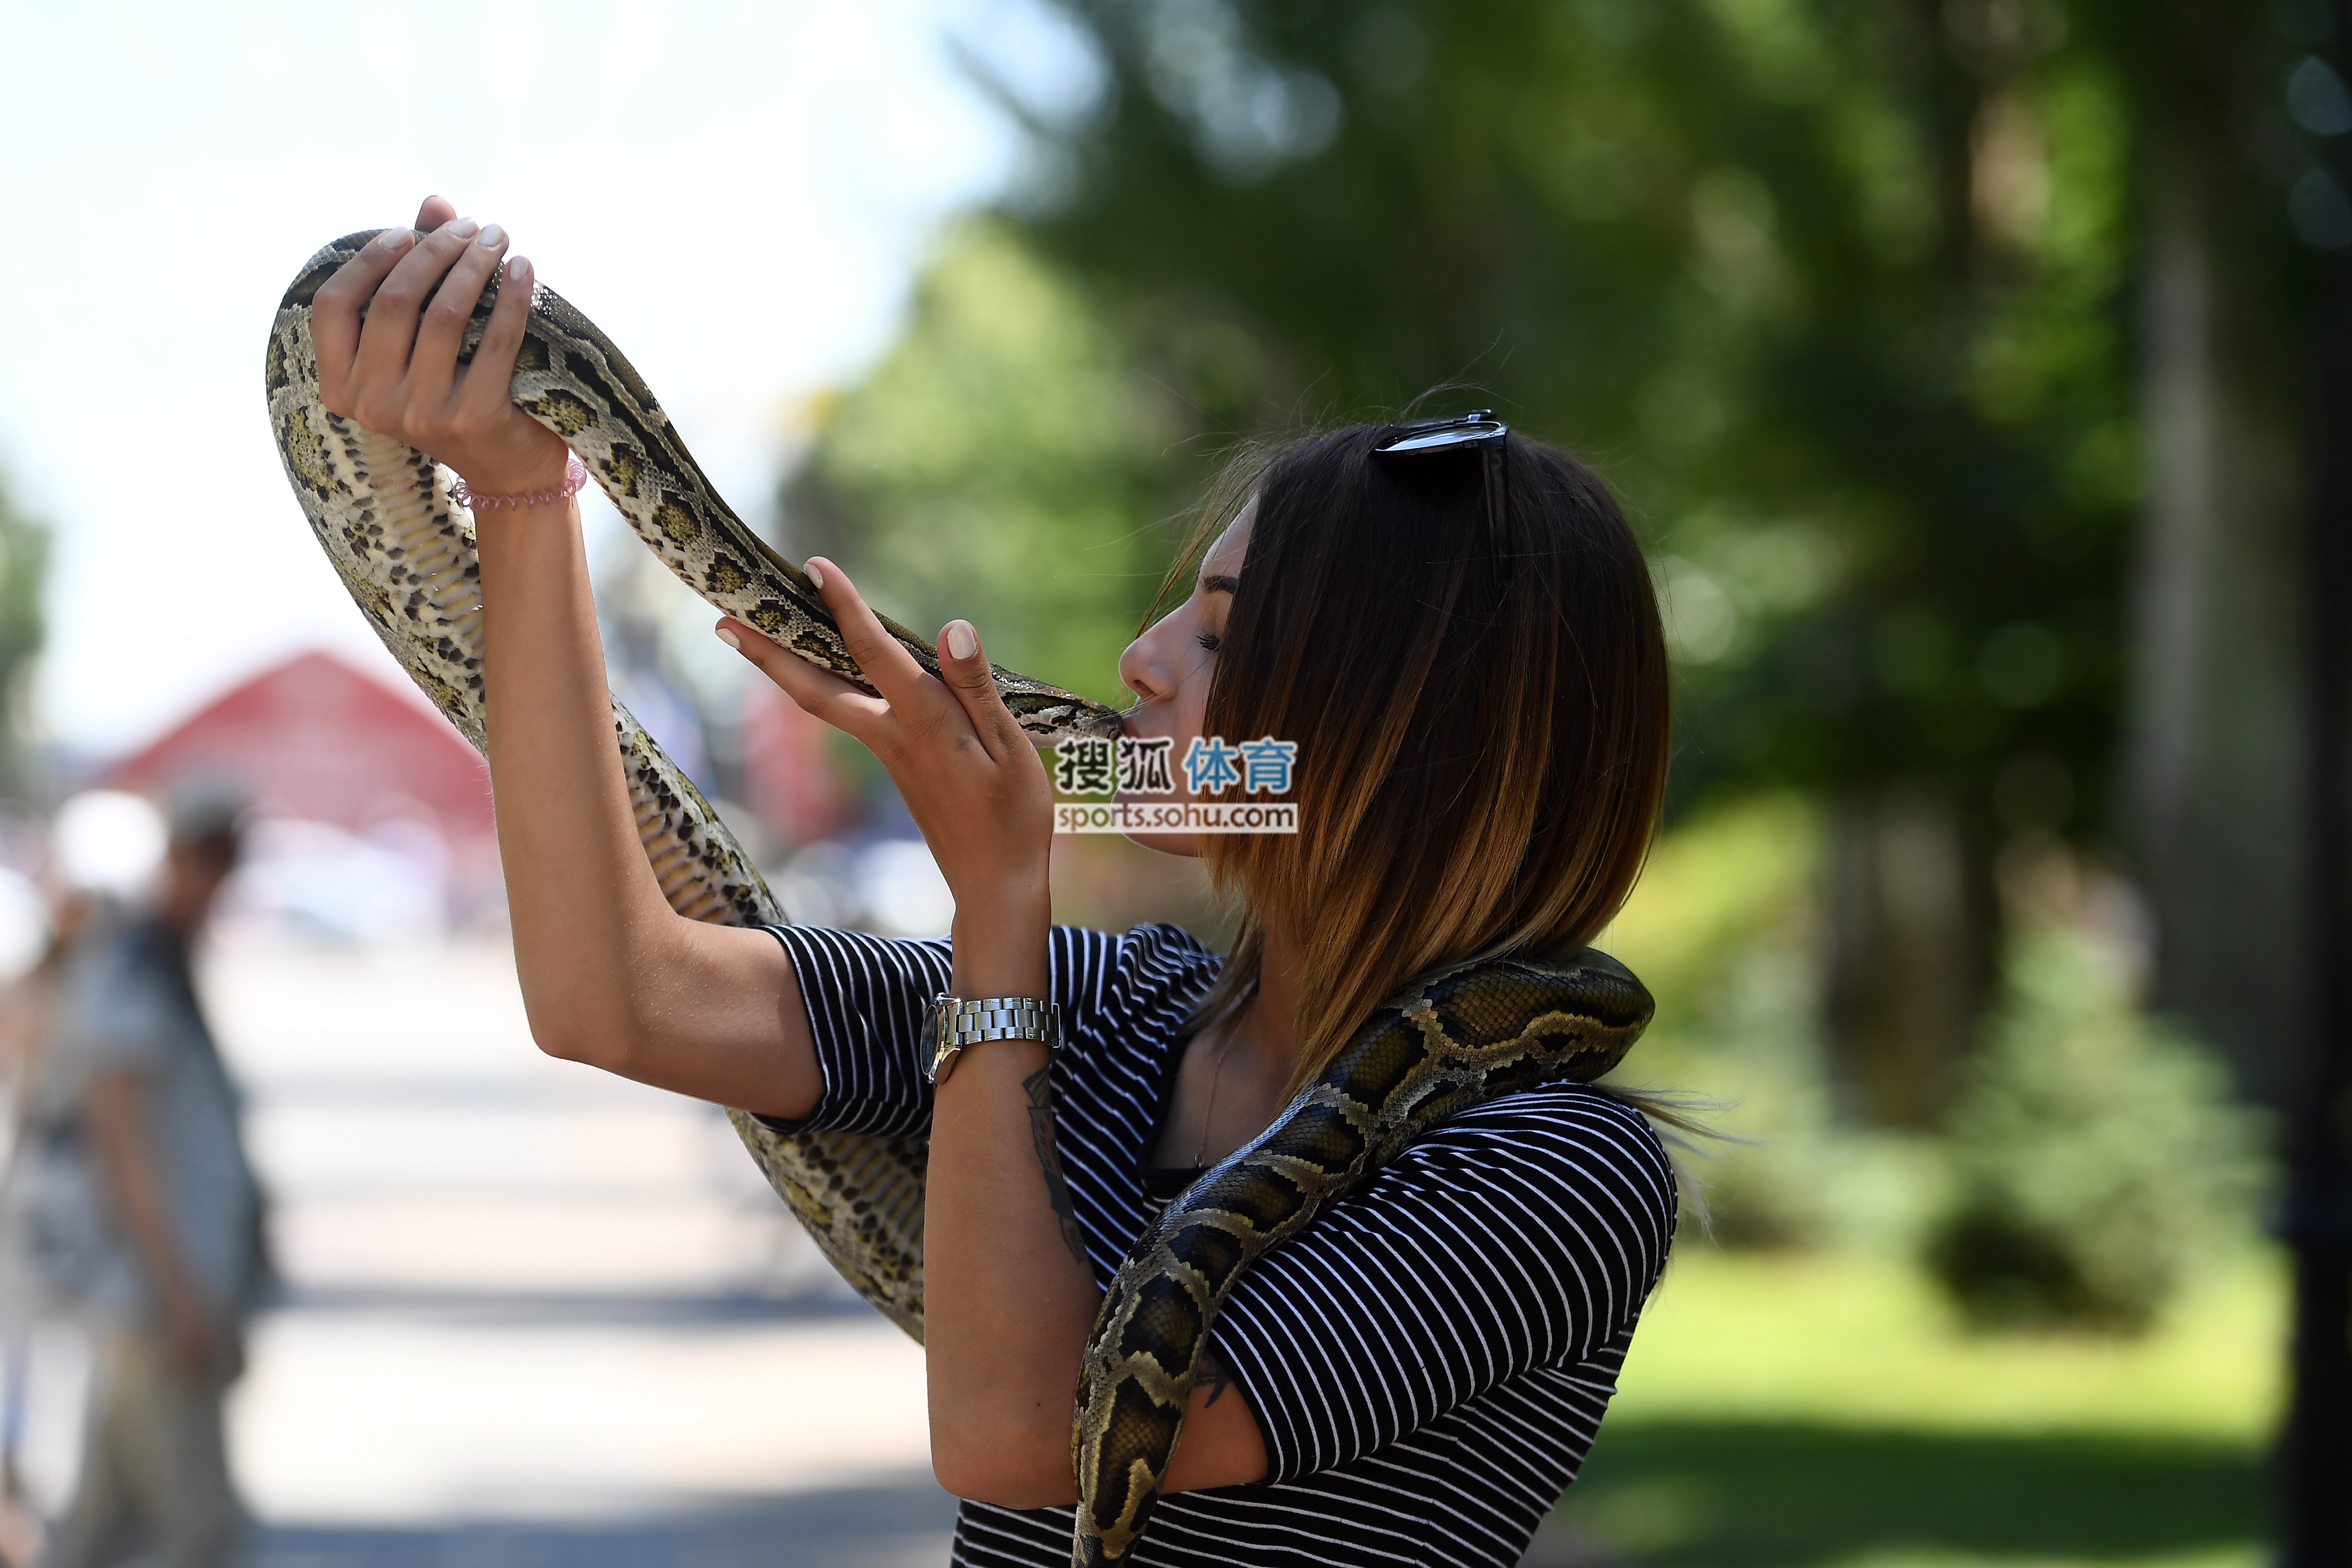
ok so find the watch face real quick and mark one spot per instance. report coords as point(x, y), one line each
point(934, 1035)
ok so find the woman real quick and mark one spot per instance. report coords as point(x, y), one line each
point(1479, 705)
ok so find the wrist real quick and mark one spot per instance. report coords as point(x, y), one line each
point(496, 487)
point(998, 946)
point(955, 1024)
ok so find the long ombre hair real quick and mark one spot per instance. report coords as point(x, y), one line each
point(1481, 721)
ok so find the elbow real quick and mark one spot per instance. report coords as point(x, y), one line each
point(595, 1039)
point(1014, 1472)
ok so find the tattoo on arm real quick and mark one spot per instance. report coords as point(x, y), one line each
point(1040, 1085)
point(1211, 1372)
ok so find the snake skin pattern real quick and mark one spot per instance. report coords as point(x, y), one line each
point(382, 511)
point(1448, 1042)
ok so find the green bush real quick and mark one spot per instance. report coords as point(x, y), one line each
point(2097, 1155)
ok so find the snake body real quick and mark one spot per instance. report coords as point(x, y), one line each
point(1447, 1042)
point(382, 513)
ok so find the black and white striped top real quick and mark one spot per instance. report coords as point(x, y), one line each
point(1428, 1360)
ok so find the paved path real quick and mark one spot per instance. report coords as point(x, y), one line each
point(537, 1314)
point(538, 1317)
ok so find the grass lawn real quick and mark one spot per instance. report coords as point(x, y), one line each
point(1818, 1410)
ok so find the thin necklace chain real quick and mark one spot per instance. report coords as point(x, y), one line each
point(1201, 1154)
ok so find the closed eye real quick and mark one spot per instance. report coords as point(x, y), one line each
point(1208, 641)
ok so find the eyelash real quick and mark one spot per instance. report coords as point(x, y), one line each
point(1208, 641)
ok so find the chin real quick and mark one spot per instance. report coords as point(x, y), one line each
point(1188, 844)
point(1185, 844)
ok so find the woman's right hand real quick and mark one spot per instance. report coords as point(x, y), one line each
point(967, 774)
point(395, 371)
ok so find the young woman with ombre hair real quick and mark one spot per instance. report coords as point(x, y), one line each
point(1461, 637)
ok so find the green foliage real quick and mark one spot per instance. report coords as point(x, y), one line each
point(2097, 1155)
point(1835, 293)
point(996, 465)
point(1825, 1410)
point(24, 569)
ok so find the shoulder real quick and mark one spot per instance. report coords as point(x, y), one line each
point(1526, 1232)
point(1570, 1120)
point(119, 1006)
point(1568, 1156)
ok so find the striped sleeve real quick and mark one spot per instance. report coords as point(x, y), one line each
point(1526, 1233)
point(866, 996)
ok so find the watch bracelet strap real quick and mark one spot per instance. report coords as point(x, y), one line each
point(998, 1018)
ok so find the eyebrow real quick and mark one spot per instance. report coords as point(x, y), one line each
point(1220, 584)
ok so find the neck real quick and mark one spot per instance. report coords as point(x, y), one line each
point(1271, 1024)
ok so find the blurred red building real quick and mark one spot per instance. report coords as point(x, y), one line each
point(791, 778)
point(318, 739)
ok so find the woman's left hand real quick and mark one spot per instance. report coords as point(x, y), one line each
point(394, 367)
point(967, 772)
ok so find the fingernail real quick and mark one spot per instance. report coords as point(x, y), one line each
point(395, 239)
point(493, 235)
point(963, 641)
point(520, 269)
point(731, 639)
point(816, 576)
point(462, 228)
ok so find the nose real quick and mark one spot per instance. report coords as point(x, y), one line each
point(1149, 678)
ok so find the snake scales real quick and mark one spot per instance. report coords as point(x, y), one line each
point(382, 511)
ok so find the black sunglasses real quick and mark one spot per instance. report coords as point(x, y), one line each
point(1478, 430)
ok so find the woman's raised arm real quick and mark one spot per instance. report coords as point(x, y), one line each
point(610, 975)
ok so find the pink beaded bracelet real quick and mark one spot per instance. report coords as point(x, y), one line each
point(575, 480)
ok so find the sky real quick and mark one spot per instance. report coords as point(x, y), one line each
point(739, 195)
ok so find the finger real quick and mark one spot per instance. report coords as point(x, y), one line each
point(392, 319)
point(435, 212)
point(882, 657)
point(819, 693)
point(963, 665)
point(434, 361)
point(335, 311)
point(491, 371)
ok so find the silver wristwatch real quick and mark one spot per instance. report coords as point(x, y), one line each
point(950, 1025)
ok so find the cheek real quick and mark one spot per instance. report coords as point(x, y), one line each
point(1192, 708)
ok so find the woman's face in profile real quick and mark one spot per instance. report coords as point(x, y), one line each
point(1169, 668)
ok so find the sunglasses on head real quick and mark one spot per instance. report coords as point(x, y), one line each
point(1477, 431)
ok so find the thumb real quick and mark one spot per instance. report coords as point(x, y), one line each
point(963, 665)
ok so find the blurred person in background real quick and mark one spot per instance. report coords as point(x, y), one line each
point(133, 1204)
point(27, 1005)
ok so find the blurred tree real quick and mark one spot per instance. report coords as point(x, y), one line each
point(1842, 295)
point(1834, 293)
point(2233, 107)
point(23, 568)
point(1891, 317)
point(1003, 463)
